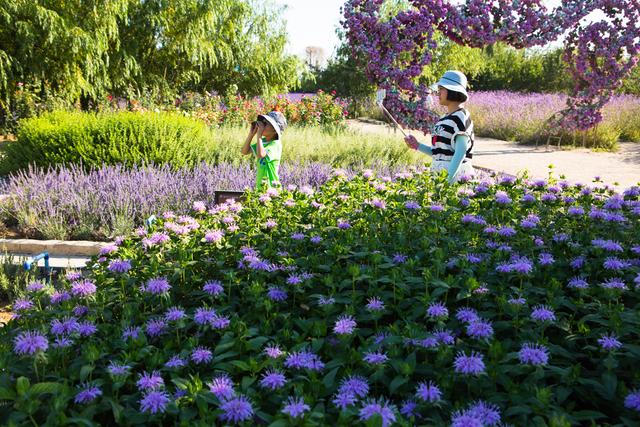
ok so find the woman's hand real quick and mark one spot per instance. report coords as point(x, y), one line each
point(411, 142)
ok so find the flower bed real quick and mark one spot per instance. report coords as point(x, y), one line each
point(389, 301)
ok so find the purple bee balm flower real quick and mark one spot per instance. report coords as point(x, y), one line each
point(436, 208)
point(83, 288)
point(289, 203)
point(35, 287)
point(236, 410)
point(156, 286)
point(119, 266)
point(73, 275)
point(408, 409)
point(466, 314)
point(632, 401)
point(156, 327)
point(472, 364)
point(533, 354)
point(375, 304)
point(273, 351)
point(428, 392)
point(154, 402)
point(437, 310)
point(108, 249)
point(522, 265)
point(528, 198)
point(343, 224)
point(297, 236)
point(175, 362)
point(80, 310)
point(412, 206)
point(304, 360)
point(578, 283)
point(222, 387)
point(316, 239)
point(204, 316)
point(577, 263)
point(29, 343)
point(614, 283)
point(380, 204)
point(613, 263)
point(399, 259)
point(276, 294)
point(380, 408)
point(199, 206)
point(22, 304)
point(213, 287)
point(201, 355)
point(543, 313)
point(546, 259)
point(324, 301)
point(444, 337)
point(88, 394)
point(270, 224)
point(220, 322)
point(517, 301)
point(66, 326)
point(295, 407)
point(480, 329)
point(549, 197)
point(375, 358)
point(132, 332)
point(294, 279)
point(355, 385)
point(575, 211)
point(150, 381)
point(86, 329)
point(609, 342)
point(344, 400)
point(273, 380)
point(213, 236)
point(174, 314)
point(506, 232)
point(502, 198)
point(62, 342)
point(345, 325)
point(117, 369)
point(473, 258)
point(487, 413)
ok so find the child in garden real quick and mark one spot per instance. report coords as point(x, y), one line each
point(268, 130)
point(452, 136)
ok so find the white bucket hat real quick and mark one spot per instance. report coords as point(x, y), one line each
point(452, 80)
point(277, 120)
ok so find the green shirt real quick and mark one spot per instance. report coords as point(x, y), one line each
point(268, 166)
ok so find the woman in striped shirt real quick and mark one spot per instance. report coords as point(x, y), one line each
point(452, 136)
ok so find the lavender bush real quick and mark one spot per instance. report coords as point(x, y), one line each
point(522, 117)
point(372, 300)
point(71, 203)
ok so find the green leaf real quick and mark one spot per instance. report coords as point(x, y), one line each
point(7, 394)
point(22, 385)
point(517, 410)
point(47, 387)
point(397, 382)
point(330, 378)
point(257, 342)
point(85, 371)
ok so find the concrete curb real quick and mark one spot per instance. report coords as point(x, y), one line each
point(54, 247)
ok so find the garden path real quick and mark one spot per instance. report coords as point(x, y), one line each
point(578, 165)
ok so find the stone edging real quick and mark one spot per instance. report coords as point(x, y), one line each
point(54, 247)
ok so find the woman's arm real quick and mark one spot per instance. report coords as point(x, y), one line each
point(462, 145)
point(413, 143)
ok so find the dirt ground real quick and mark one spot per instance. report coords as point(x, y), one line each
point(578, 165)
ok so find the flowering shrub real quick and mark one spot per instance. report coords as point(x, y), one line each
point(396, 48)
point(392, 301)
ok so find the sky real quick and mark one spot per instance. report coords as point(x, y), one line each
point(313, 23)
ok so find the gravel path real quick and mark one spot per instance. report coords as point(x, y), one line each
point(578, 165)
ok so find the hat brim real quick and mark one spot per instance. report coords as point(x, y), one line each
point(273, 123)
point(449, 86)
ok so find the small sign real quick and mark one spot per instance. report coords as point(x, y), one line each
point(223, 196)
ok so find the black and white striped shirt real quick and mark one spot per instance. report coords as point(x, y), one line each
point(446, 129)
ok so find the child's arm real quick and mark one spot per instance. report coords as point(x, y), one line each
point(260, 151)
point(462, 145)
point(246, 148)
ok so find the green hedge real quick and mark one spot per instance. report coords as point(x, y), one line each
point(105, 138)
